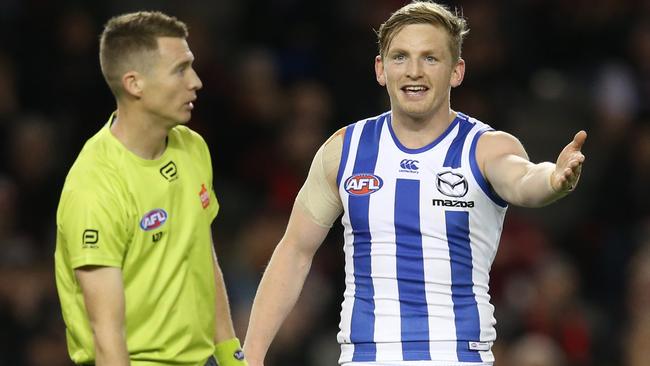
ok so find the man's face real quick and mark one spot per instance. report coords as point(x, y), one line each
point(418, 71)
point(171, 83)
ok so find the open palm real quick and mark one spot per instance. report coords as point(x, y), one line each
point(569, 165)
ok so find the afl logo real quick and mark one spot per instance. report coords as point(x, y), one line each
point(153, 219)
point(363, 184)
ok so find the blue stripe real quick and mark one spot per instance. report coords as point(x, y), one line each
point(410, 271)
point(468, 327)
point(344, 153)
point(478, 176)
point(362, 327)
point(455, 152)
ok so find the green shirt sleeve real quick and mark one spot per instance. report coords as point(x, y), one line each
point(93, 228)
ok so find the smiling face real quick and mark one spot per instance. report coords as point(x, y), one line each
point(418, 72)
point(169, 86)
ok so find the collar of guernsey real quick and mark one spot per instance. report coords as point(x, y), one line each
point(171, 142)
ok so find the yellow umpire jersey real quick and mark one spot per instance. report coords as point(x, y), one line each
point(151, 218)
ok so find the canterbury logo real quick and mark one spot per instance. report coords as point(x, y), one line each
point(451, 184)
point(409, 164)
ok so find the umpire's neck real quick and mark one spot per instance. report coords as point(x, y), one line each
point(141, 133)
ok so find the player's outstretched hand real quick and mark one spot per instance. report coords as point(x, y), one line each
point(569, 165)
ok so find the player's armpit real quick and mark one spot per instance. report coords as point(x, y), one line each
point(318, 196)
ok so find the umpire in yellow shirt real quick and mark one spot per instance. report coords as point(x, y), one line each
point(136, 272)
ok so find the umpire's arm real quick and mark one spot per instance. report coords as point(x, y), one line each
point(103, 292)
point(223, 321)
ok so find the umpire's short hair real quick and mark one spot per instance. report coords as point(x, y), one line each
point(129, 41)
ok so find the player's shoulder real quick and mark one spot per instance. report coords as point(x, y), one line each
point(494, 144)
point(378, 119)
point(484, 132)
point(475, 123)
point(497, 137)
point(489, 142)
point(337, 138)
point(332, 149)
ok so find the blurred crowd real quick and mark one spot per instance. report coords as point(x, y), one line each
point(571, 282)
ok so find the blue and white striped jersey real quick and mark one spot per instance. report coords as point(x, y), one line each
point(422, 227)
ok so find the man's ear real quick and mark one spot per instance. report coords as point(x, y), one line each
point(133, 83)
point(379, 71)
point(457, 73)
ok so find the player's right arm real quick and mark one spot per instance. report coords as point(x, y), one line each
point(103, 293)
point(315, 209)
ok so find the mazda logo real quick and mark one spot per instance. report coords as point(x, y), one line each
point(451, 184)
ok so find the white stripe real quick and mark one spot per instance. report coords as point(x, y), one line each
point(437, 271)
point(384, 259)
point(482, 254)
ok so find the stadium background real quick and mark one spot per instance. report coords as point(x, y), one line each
point(571, 282)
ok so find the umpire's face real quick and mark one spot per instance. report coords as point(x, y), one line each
point(171, 84)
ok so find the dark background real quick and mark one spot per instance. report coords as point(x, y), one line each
point(571, 282)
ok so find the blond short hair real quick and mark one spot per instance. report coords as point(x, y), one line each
point(425, 12)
